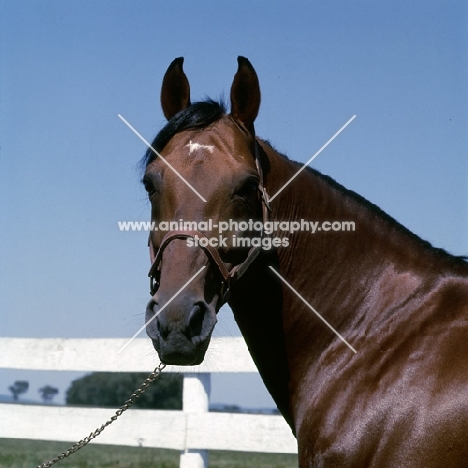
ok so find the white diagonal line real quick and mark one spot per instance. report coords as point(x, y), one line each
point(161, 309)
point(159, 156)
point(312, 309)
point(312, 158)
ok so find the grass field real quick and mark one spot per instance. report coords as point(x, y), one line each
point(17, 453)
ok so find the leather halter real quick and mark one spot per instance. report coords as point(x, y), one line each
point(228, 277)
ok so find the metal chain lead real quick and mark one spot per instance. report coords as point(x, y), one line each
point(133, 397)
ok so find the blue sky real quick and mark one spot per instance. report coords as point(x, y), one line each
point(69, 166)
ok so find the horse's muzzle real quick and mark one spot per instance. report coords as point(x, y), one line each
point(180, 332)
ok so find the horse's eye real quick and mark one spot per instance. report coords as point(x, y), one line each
point(248, 189)
point(149, 187)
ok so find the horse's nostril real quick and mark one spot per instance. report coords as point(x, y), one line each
point(197, 316)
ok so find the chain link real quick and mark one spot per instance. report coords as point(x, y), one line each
point(133, 397)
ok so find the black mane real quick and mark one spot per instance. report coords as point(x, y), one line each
point(441, 253)
point(197, 115)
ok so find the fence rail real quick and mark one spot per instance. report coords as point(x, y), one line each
point(193, 430)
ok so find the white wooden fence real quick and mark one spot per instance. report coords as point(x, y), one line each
point(194, 431)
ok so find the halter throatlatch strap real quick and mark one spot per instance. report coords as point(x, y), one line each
point(228, 277)
point(266, 208)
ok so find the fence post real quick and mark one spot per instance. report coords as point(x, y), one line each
point(195, 399)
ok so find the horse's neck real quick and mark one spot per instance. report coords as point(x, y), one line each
point(369, 242)
point(349, 277)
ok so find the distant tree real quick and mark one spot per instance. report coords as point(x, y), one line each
point(19, 387)
point(231, 409)
point(107, 389)
point(48, 393)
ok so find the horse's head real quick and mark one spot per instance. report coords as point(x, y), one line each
point(202, 150)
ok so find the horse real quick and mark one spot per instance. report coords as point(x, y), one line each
point(397, 396)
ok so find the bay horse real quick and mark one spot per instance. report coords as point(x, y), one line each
point(402, 399)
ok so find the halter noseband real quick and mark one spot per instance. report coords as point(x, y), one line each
point(228, 277)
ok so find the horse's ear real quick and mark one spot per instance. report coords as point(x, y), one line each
point(245, 93)
point(175, 90)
